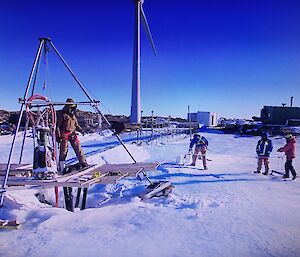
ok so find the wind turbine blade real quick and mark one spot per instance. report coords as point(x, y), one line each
point(148, 30)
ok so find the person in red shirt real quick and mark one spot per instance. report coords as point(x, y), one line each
point(289, 150)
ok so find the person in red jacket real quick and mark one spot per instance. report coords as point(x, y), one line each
point(66, 127)
point(289, 150)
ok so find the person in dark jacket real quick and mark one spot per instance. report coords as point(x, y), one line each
point(66, 127)
point(263, 149)
point(201, 144)
point(289, 150)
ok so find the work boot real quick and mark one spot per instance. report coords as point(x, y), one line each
point(193, 164)
point(294, 177)
point(285, 176)
point(265, 173)
point(84, 165)
point(257, 171)
point(205, 167)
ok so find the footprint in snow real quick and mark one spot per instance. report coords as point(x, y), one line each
point(214, 205)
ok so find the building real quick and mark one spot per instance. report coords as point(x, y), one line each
point(280, 115)
point(208, 119)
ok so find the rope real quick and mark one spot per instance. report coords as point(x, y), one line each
point(46, 49)
point(280, 162)
point(54, 119)
point(35, 75)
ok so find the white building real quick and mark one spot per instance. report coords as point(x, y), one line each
point(208, 119)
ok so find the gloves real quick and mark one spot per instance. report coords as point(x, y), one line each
point(80, 131)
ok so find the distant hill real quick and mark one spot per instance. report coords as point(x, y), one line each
point(4, 116)
point(89, 121)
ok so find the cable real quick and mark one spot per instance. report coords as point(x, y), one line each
point(35, 74)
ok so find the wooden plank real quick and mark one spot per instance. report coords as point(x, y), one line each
point(114, 168)
point(15, 188)
point(78, 174)
point(44, 183)
point(94, 180)
point(25, 167)
point(59, 182)
point(122, 176)
point(130, 168)
point(13, 165)
point(20, 173)
point(85, 178)
point(148, 166)
point(9, 224)
point(16, 169)
point(63, 181)
point(109, 180)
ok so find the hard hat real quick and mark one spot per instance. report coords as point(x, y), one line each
point(264, 134)
point(71, 100)
point(288, 136)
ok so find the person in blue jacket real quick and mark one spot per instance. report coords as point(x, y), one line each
point(263, 149)
point(201, 144)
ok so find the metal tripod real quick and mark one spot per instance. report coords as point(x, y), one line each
point(46, 43)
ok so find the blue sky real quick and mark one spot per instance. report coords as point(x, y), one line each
point(230, 57)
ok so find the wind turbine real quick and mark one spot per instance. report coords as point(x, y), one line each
point(135, 115)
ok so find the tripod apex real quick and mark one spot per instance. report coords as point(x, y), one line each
point(45, 38)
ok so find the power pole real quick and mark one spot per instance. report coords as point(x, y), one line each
point(190, 125)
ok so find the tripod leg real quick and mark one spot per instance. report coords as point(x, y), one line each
point(68, 198)
point(71, 205)
point(84, 198)
point(56, 196)
point(78, 197)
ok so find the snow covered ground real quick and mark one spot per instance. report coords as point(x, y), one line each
point(226, 210)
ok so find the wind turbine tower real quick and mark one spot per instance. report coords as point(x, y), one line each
point(135, 114)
